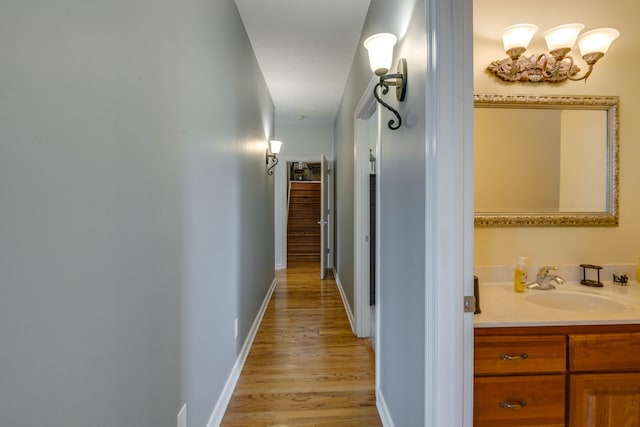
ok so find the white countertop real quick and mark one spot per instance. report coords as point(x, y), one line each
point(501, 306)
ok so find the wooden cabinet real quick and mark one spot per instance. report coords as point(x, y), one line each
point(604, 352)
point(576, 376)
point(604, 400)
point(604, 385)
point(520, 354)
point(528, 400)
point(520, 381)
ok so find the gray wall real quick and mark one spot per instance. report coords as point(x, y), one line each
point(228, 245)
point(401, 343)
point(132, 232)
point(306, 140)
point(303, 140)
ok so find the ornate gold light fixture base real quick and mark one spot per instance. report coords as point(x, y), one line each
point(535, 68)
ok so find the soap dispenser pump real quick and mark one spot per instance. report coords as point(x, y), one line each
point(520, 275)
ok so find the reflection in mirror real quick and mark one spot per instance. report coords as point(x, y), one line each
point(545, 160)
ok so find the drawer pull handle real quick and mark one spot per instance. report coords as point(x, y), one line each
point(507, 357)
point(518, 405)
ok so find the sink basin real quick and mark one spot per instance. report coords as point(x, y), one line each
point(576, 301)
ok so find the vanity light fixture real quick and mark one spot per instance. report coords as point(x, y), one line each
point(556, 66)
point(380, 49)
point(273, 149)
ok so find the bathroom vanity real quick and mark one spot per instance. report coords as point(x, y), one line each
point(541, 366)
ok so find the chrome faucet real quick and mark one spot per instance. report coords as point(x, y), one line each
point(545, 280)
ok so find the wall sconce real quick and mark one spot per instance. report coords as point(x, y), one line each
point(380, 48)
point(273, 149)
point(556, 66)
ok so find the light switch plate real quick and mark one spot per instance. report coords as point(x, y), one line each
point(235, 328)
point(182, 416)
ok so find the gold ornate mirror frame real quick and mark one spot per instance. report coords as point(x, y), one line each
point(609, 217)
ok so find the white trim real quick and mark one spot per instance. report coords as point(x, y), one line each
point(383, 411)
point(448, 214)
point(280, 214)
point(280, 204)
point(331, 216)
point(225, 397)
point(324, 224)
point(364, 110)
point(345, 301)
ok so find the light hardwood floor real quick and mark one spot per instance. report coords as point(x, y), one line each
point(305, 368)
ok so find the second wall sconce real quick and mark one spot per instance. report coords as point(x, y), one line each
point(556, 66)
point(380, 49)
point(273, 149)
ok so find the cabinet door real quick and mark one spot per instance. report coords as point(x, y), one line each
point(519, 401)
point(604, 400)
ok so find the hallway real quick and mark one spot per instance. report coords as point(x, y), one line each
point(305, 366)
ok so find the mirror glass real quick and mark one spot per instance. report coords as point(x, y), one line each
point(545, 160)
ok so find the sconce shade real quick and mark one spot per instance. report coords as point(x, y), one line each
point(272, 155)
point(380, 49)
point(562, 37)
point(555, 66)
point(274, 146)
point(517, 36)
point(597, 41)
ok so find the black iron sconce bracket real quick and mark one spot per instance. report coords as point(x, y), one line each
point(399, 80)
point(272, 161)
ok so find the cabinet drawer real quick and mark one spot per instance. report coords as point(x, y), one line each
point(604, 352)
point(520, 354)
point(519, 401)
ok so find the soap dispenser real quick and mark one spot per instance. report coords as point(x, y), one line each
point(520, 275)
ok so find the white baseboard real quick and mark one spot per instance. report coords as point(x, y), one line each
point(383, 411)
point(223, 401)
point(345, 302)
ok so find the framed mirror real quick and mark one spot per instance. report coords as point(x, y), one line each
point(546, 160)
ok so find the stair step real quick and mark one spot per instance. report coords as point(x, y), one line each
point(302, 242)
point(305, 193)
point(304, 202)
point(311, 196)
point(304, 222)
point(298, 251)
point(305, 185)
point(304, 258)
point(304, 212)
point(304, 231)
point(304, 208)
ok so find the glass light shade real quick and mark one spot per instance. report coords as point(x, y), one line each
point(517, 36)
point(562, 37)
point(274, 146)
point(380, 48)
point(597, 41)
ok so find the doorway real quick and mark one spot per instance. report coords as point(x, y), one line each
point(366, 213)
point(315, 237)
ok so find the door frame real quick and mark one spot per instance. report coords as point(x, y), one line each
point(449, 213)
point(366, 107)
point(325, 220)
point(280, 206)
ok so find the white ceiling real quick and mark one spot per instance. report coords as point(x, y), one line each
point(305, 49)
